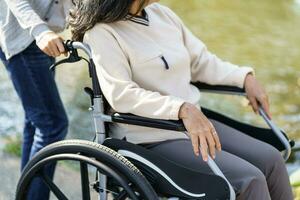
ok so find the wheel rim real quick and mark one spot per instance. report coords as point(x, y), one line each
point(127, 191)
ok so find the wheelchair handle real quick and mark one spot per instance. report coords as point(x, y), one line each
point(71, 45)
point(278, 133)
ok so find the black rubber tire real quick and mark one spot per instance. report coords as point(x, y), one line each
point(100, 153)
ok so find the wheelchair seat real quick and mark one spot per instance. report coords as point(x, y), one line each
point(168, 178)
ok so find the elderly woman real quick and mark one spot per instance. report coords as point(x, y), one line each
point(146, 59)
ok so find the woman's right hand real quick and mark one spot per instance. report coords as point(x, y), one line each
point(200, 130)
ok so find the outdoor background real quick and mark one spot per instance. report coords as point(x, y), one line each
point(262, 34)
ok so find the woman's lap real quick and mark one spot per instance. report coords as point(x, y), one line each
point(181, 152)
point(243, 160)
point(250, 149)
point(260, 154)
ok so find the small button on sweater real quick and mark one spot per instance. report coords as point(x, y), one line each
point(145, 66)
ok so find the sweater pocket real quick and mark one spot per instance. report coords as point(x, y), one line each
point(146, 55)
point(152, 60)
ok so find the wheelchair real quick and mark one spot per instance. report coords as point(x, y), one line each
point(128, 171)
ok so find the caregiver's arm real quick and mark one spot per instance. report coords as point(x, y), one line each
point(27, 17)
point(47, 41)
point(115, 78)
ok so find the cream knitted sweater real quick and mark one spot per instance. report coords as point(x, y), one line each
point(145, 66)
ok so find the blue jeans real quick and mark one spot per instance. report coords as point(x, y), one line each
point(45, 118)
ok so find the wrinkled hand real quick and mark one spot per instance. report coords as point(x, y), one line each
point(51, 44)
point(200, 130)
point(256, 95)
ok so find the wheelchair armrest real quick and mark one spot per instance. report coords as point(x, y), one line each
point(219, 88)
point(241, 91)
point(148, 122)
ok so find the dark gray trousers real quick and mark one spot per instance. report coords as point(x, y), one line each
point(256, 170)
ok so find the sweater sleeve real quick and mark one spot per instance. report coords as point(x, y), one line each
point(27, 17)
point(205, 66)
point(115, 77)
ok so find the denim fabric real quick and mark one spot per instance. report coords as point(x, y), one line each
point(45, 118)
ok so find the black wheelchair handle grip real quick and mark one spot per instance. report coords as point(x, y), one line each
point(73, 55)
point(148, 122)
point(68, 45)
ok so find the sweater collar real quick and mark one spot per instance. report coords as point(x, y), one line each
point(143, 20)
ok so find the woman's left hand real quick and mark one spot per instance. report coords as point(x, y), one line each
point(256, 95)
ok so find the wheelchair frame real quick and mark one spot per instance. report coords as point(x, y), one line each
point(100, 118)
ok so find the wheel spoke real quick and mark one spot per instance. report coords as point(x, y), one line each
point(53, 188)
point(85, 185)
point(121, 196)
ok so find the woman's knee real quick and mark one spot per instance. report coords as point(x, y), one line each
point(272, 160)
point(257, 178)
point(254, 186)
point(275, 156)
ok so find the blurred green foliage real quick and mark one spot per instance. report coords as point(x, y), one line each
point(262, 34)
point(13, 146)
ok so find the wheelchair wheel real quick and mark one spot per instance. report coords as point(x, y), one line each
point(125, 181)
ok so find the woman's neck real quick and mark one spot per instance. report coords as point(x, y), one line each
point(135, 7)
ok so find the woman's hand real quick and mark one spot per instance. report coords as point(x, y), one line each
point(200, 130)
point(256, 95)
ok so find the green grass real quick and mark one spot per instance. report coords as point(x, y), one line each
point(297, 193)
point(13, 146)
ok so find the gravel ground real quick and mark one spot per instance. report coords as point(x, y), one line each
point(65, 177)
point(9, 174)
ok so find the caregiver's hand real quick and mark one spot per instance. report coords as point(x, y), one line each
point(51, 44)
point(256, 95)
point(200, 130)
